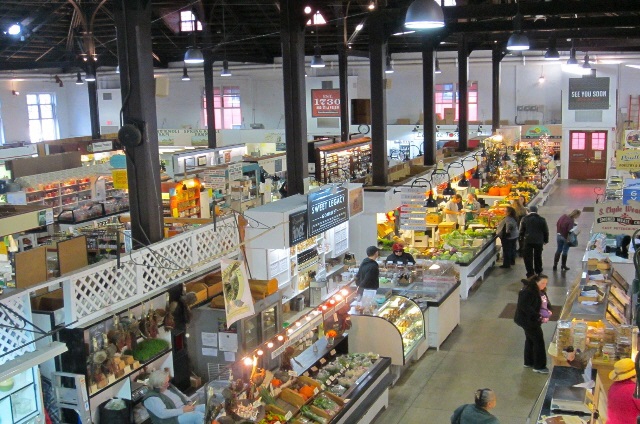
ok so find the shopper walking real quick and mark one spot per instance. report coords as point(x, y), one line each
point(534, 234)
point(507, 230)
point(368, 274)
point(477, 412)
point(622, 407)
point(533, 310)
point(565, 226)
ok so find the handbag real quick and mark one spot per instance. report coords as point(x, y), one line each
point(572, 239)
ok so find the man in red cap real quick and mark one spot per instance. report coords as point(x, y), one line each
point(399, 256)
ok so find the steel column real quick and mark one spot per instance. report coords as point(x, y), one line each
point(377, 57)
point(92, 89)
point(496, 58)
point(139, 108)
point(343, 75)
point(292, 23)
point(428, 103)
point(463, 94)
point(208, 95)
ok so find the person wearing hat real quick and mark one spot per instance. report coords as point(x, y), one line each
point(622, 407)
point(399, 256)
point(368, 274)
point(533, 234)
point(478, 412)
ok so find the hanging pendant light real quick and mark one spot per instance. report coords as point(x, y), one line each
point(193, 55)
point(225, 69)
point(552, 52)
point(79, 79)
point(518, 41)
point(463, 182)
point(90, 77)
point(317, 61)
point(449, 191)
point(185, 75)
point(431, 202)
point(586, 64)
point(572, 58)
point(424, 14)
point(389, 68)
point(437, 70)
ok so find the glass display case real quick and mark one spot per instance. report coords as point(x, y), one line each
point(399, 328)
point(18, 398)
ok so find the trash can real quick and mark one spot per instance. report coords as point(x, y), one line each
point(116, 411)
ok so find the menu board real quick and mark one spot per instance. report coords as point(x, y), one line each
point(297, 227)
point(326, 209)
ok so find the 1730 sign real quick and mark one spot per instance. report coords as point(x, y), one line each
point(325, 103)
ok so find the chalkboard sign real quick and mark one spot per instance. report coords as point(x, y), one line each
point(326, 209)
point(588, 93)
point(297, 227)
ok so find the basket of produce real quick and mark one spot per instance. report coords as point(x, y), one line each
point(149, 348)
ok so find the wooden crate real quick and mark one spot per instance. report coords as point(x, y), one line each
point(199, 288)
point(263, 288)
point(214, 284)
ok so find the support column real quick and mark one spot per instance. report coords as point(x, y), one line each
point(292, 23)
point(377, 57)
point(463, 94)
point(208, 95)
point(343, 75)
point(428, 103)
point(139, 108)
point(496, 58)
point(92, 88)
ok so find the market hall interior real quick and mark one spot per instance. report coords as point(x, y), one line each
point(485, 350)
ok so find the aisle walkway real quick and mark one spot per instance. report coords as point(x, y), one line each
point(486, 351)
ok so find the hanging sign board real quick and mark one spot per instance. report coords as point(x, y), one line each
point(588, 93)
point(297, 227)
point(214, 178)
point(413, 211)
point(356, 201)
point(325, 103)
point(238, 302)
point(632, 139)
point(326, 209)
point(235, 171)
point(616, 218)
point(119, 179)
point(628, 160)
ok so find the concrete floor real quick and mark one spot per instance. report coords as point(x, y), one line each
point(484, 350)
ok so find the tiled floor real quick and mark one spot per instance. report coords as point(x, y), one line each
point(484, 350)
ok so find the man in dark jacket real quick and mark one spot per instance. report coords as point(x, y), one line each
point(534, 233)
point(367, 276)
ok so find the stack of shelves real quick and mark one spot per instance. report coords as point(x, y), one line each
point(56, 194)
point(343, 161)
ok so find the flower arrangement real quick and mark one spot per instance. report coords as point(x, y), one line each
point(331, 333)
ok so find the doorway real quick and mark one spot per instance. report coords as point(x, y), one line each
point(588, 155)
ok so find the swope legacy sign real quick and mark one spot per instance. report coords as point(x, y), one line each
point(325, 103)
point(327, 208)
point(616, 218)
point(588, 93)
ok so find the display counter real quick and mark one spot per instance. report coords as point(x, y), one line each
point(549, 411)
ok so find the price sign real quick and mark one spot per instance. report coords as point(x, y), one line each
point(119, 179)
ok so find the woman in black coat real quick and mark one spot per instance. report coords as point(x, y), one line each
point(532, 311)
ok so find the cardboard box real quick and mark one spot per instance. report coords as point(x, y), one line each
point(403, 121)
point(446, 227)
point(433, 218)
point(449, 114)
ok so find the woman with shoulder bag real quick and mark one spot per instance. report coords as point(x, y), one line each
point(507, 230)
point(533, 310)
point(565, 227)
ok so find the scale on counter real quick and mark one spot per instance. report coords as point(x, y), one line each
point(570, 399)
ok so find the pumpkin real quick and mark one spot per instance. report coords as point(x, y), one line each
point(494, 191)
point(306, 391)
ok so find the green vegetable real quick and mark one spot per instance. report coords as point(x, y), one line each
point(149, 348)
point(310, 414)
point(325, 403)
point(266, 396)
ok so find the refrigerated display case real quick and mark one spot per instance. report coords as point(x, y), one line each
point(399, 329)
point(19, 397)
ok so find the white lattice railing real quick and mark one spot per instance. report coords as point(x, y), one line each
point(93, 292)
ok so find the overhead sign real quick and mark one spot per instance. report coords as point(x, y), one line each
point(326, 209)
point(325, 103)
point(297, 227)
point(413, 211)
point(588, 93)
point(614, 217)
point(100, 146)
point(632, 139)
point(628, 160)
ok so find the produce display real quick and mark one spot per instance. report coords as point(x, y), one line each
point(340, 374)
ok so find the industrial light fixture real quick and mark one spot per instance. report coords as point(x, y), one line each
point(389, 68)
point(307, 9)
point(185, 75)
point(449, 191)
point(90, 77)
point(415, 129)
point(477, 175)
point(79, 79)
point(518, 41)
point(424, 14)
point(437, 70)
point(193, 55)
point(552, 52)
point(572, 58)
point(372, 6)
point(586, 64)
point(225, 69)
point(118, 69)
point(15, 92)
point(14, 29)
point(317, 61)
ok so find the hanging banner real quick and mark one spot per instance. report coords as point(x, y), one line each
point(238, 302)
point(325, 103)
point(628, 160)
point(614, 217)
point(588, 93)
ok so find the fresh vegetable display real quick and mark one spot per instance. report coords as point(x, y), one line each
point(271, 418)
point(324, 402)
point(307, 412)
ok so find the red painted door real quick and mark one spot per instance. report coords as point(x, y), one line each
point(587, 155)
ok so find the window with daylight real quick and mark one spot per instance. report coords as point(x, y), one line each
point(188, 22)
point(226, 108)
point(43, 124)
point(447, 97)
point(578, 140)
point(598, 141)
